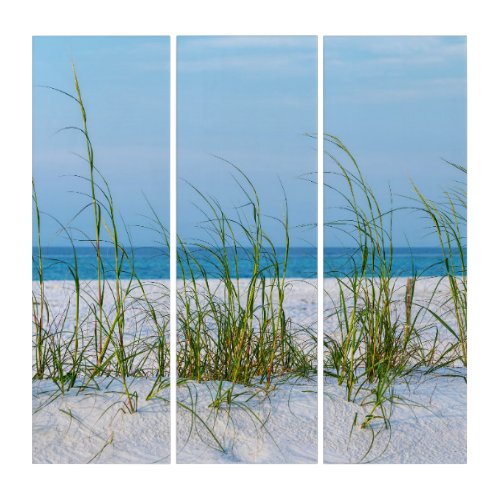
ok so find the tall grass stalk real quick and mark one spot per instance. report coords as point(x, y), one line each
point(97, 216)
point(38, 304)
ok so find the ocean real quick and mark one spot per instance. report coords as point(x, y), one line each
point(153, 262)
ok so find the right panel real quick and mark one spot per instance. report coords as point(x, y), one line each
point(395, 297)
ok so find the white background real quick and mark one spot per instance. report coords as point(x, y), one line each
point(22, 20)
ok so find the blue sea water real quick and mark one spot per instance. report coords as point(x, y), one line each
point(153, 262)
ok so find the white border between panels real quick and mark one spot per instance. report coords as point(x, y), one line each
point(320, 253)
point(173, 249)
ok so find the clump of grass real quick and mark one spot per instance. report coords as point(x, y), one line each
point(448, 219)
point(377, 338)
point(119, 328)
point(231, 328)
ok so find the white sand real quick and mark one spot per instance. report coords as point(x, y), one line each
point(95, 426)
point(102, 431)
point(431, 428)
point(278, 428)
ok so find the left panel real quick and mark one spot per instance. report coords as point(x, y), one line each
point(100, 250)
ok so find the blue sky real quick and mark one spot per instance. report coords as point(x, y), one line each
point(399, 104)
point(249, 100)
point(125, 87)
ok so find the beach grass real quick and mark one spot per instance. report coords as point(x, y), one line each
point(449, 220)
point(381, 333)
point(232, 328)
point(116, 327)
